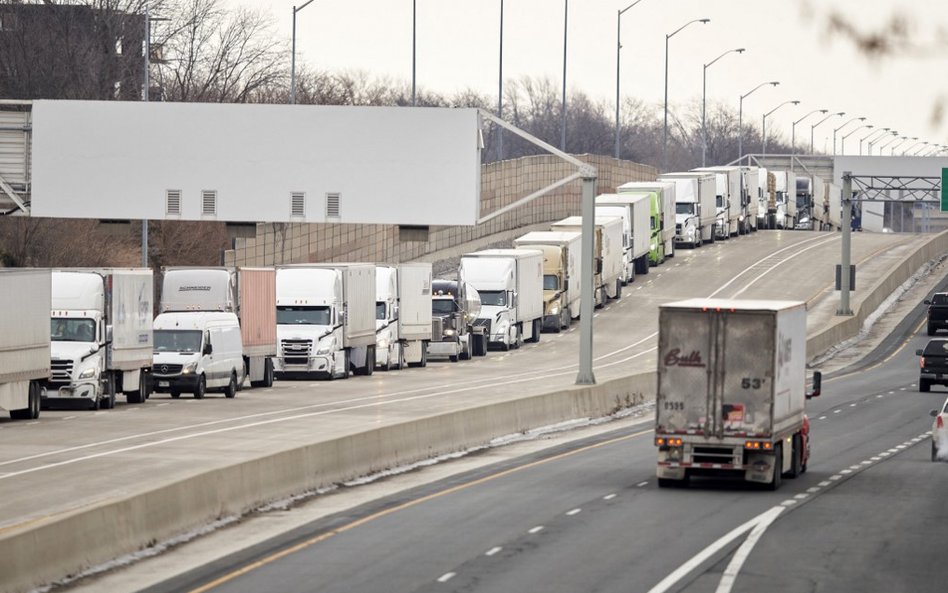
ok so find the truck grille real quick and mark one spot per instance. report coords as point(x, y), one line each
point(712, 455)
point(296, 351)
point(437, 329)
point(60, 371)
point(485, 323)
point(167, 369)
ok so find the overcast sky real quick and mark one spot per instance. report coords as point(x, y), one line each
point(786, 40)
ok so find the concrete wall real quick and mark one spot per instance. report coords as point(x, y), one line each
point(501, 184)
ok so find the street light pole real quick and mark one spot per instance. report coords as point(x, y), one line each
point(763, 123)
point(293, 54)
point(704, 98)
point(876, 141)
point(904, 140)
point(740, 118)
point(922, 149)
point(414, 23)
point(842, 148)
point(895, 136)
point(500, 88)
point(793, 132)
point(814, 126)
point(841, 127)
point(665, 126)
point(565, 31)
point(618, 70)
point(867, 136)
point(911, 146)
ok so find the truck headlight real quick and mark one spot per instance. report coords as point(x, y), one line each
point(88, 373)
point(449, 333)
point(555, 308)
point(653, 246)
point(502, 326)
point(326, 347)
point(383, 344)
point(189, 368)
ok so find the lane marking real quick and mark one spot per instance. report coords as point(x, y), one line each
point(789, 502)
point(822, 418)
point(698, 559)
point(536, 529)
point(835, 477)
point(801, 496)
point(493, 551)
point(446, 577)
point(737, 562)
point(609, 497)
point(813, 489)
point(824, 483)
point(642, 484)
point(573, 512)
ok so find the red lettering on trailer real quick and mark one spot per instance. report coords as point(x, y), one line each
point(675, 358)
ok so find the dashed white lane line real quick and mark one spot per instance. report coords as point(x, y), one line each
point(536, 529)
point(493, 551)
point(789, 502)
point(446, 577)
point(876, 458)
point(813, 490)
point(837, 411)
point(822, 418)
point(902, 388)
point(70, 417)
point(573, 512)
point(163, 404)
point(893, 450)
point(852, 405)
point(824, 483)
point(846, 471)
point(891, 392)
point(642, 484)
point(866, 462)
point(835, 477)
point(801, 496)
point(595, 315)
point(879, 396)
point(609, 497)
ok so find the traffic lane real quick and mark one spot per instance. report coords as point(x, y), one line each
point(210, 442)
point(881, 531)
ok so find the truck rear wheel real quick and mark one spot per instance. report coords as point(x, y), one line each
point(778, 468)
point(537, 324)
point(924, 386)
point(137, 397)
point(32, 410)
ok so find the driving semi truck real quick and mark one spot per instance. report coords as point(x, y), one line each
point(665, 223)
point(402, 314)
point(561, 273)
point(731, 390)
point(24, 340)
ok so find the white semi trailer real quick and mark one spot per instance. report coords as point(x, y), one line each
point(607, 253)
point(695, 209)
point(101, 331)
point(510, 285)
point(666, 200)
point(731, 390)
point(24, 340)
point(325, 320)
point(402, 314)
point(728, 197)
point(635, 211)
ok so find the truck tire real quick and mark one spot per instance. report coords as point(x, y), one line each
point(267, 380)
point(201, 388)
point(109, 402)
point(32, 409)
point(230, 392)
point(924, 386)
point(466, 352)
point(778, 468)
point(931, 330)
point(138, 396)
point(369, 361)
point(934, 451)
point(175, 394)
point(565, 319)
point(537, 324)
point(618, 295)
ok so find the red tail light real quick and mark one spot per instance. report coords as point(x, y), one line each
point(921, 362)
point(939, 423)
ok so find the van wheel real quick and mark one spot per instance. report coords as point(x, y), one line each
point(175, 394)
point(201, 388)
point(231, 390)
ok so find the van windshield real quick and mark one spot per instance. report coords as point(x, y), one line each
point(684, 208)
point(72, 330)
point(177, 340)
point(288, 315)
point(550, 282)
point(497, 298)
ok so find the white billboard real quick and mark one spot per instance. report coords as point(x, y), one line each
point(256, 163)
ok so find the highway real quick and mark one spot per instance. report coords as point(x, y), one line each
point(72, 460)
point(867, 517)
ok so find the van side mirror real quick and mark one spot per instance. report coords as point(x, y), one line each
point(927, 302)
point(817, 384)
point(919, 352)
point(933, 413)
point(208, 349)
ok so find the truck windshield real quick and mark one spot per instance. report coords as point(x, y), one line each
point(442, 306)
point(177, 340)
point(551, 282)
point(498, 298)
point(380, 310)
point(684, 208)
point(72, 330)
point(303, 315)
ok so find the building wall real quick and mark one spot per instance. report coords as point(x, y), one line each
point(501, 184)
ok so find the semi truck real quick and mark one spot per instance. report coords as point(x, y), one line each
point(510, 285)
point(784, 196)
point(607, 254)
point(665, 222)
point(695, 209)
point(455, 331)
point(766, 204)
point(638, 241)
point(101, 333)
point(325, 320)
point(731, 390)
point(562, 262)
point(750, 195)
point(402, 314)
point(728, 205)
point(211, 301)
point(24, 340)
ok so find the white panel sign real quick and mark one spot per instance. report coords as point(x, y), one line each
point(256, 163)
point(888, 166)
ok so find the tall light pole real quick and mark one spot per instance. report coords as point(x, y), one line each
point(911, 146)
point(665, 126)
point(763, 123)
point(618, 71)
point(793, 129)
point(841, 127)
point(293, 54)
point(817, 124)
point(923, 148)
point(565, 31)
point(875, 141)
point(867, 136)
point(500, 88)
point(704, 100)
point(842, 142)
point(414, 23)
point(898, 144)
point(740, 117)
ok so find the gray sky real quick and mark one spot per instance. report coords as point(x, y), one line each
point(786, 40)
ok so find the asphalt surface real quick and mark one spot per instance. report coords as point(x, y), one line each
point(868, 516)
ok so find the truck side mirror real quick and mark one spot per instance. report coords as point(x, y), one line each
point(565, 285)
point(919, 352)
point(108, 334)
point(598, 269)
point(817, 383)
point(927, 302)
point(933, 413)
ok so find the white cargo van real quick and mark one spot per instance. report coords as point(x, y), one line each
point(196, 352)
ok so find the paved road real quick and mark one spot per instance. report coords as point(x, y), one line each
point(867, 517)
point(72, 459)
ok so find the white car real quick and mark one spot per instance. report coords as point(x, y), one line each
point(940, 433)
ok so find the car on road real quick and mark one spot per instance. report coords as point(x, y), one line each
point(937, 312)
point(933, 364)
point(940, 433)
